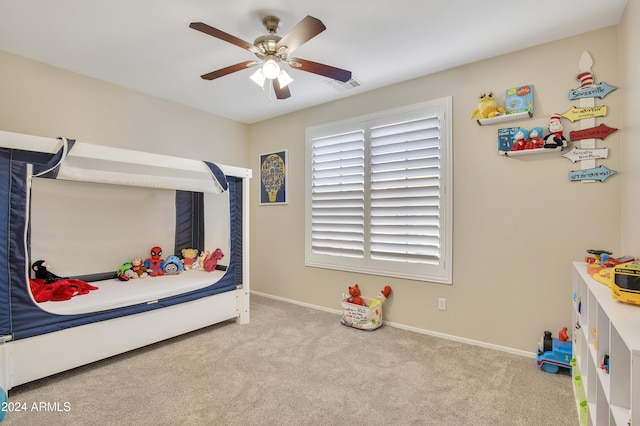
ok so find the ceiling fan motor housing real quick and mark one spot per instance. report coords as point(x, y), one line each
point(271, 23)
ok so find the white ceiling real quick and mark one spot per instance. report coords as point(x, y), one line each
point(147, 45)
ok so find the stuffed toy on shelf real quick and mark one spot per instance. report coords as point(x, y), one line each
point(487, 108)
point(555, 139)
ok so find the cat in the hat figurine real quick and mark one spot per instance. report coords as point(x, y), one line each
point(555, 138)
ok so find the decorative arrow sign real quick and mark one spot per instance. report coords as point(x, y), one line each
point(599, 173)
point(598, 132)
point(599, 91)
point(579, 154)
point(575, 114)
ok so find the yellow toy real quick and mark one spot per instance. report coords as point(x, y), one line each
point(625, 285)
point(189, 260)
point(487, 108)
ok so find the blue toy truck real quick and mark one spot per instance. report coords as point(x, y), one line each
point(553, 353)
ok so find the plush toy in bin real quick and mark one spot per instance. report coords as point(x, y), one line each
point(354, 296)
point(359, 315)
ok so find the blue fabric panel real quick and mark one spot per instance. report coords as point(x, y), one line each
point(189, 221)
point(236, 198)
point(18, 251)
point(5, 182)
point(217, 173)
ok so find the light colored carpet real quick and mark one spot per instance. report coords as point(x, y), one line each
point(298, 366)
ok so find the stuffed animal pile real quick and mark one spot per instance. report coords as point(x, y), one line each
point(355, 298)
point(156, 266)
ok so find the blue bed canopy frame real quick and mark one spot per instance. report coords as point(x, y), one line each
point(26, 329)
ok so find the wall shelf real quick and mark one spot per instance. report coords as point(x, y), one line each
point(505, 118)
point(530, 151)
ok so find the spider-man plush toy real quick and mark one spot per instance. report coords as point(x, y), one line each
point(155, 265)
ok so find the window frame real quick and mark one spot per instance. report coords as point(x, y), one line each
point(440, 273)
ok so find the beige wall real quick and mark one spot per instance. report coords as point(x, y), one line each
point(41, 100)
point(518, 222)
point(630, 75)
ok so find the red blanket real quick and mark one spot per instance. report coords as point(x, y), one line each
point(63, 289)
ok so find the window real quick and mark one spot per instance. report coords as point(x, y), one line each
point(378, 195)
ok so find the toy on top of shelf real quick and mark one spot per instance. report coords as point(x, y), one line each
point(487, 107)
point(535, 139)
point(597, 254)
point(155, 264)
point(520, 140)
point(553, 353)
point(604, 276)
point(625, 284)
point(555, 138)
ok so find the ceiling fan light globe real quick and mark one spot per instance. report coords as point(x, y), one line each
point(271, 69)
point(258, 77)
point(284, 79)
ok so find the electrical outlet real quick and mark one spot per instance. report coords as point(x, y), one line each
point(442, 304)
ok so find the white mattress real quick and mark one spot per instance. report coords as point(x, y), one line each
point(114, 293)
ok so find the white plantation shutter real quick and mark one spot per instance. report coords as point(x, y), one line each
point(337, 205)
point(377, 198)
point(405, 191)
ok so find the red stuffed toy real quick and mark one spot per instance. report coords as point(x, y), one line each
point(355, 296)
point(48, 286)
point(211, 261)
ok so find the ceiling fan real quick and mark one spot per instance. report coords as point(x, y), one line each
point(273, 51)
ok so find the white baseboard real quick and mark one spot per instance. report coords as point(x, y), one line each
point(407, 327)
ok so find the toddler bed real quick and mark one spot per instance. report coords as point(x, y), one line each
point(87, 209)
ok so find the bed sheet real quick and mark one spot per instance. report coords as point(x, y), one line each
point(113, 293)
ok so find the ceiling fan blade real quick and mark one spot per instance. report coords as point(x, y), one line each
point(214, 32)
point(304, 31)
point(228, 70)
point(281, 92)
point(321, 69)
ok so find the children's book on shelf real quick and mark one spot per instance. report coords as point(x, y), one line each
point(506, 137)
point(519, 99)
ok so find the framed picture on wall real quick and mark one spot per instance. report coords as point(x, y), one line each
point(273, 178)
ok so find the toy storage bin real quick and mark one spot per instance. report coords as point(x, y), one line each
point(362, 317)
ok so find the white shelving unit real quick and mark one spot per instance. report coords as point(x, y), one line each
point(604, 326)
